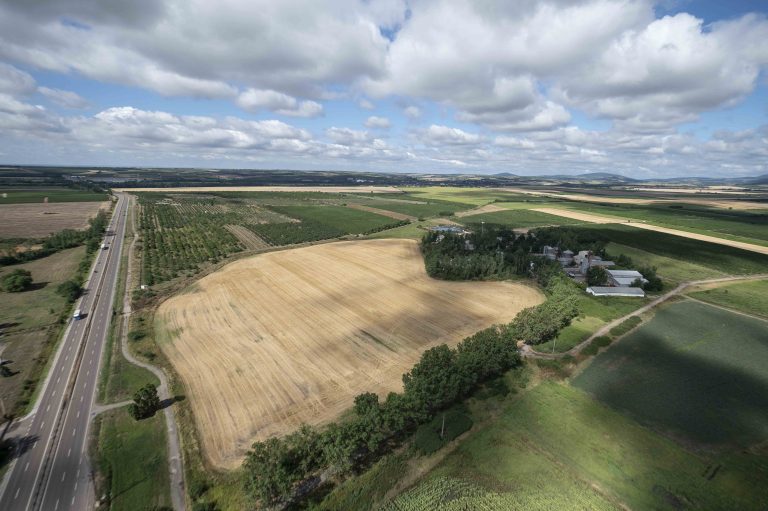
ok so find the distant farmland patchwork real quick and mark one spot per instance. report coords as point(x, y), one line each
point(293, 336)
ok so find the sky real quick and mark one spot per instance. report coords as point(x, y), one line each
point(635, 87)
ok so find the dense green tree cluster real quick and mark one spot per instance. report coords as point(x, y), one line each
point(70, 290)
point(16, 281)
point(145, 402)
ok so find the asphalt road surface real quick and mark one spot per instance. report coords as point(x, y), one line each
point(51, 471)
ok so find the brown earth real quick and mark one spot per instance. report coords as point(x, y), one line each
point(383, 212)
point(247, 237)
point(488, 208)
point(290, 337)
point(36, 220)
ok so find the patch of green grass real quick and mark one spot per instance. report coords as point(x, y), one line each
point(20, 196)
point(625, 326)
point(579, 330)
point(668, 268)
point(608, 308)
point(556, 448)
point(750, 297)
point(721, 258)
point(698, 372)
point(133, 460)
point(596, 344)
point(521, 218)
point(340, 218)
point(32, 322)
point(363, 492)
point(450, 424)
point(125, 379)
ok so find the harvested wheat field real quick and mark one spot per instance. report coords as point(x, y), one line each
point(283, 338)
point(35, 220)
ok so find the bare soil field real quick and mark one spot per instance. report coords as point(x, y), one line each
point(383, 212)
point(329, 189)
point(584, 217)
point(37, 220)
point(290, 337)
point(599, 219)
point(488, 208)
point(247, 237)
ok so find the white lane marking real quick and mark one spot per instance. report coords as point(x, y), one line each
point(57, 505)
point(17, 493)
point(78, 414)
point(81, 399)
point(26, 467)
point(74, 430)
point(72, 503)
point(42, 425)
point(58, 379)
point(34, 445)
point(63, 476)
point(69, 452)
point(47, 407)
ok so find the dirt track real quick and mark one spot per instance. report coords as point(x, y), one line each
point(288, 337)
point(488, 208)
point(35, 220)
point(383, 212)
point(587, 217)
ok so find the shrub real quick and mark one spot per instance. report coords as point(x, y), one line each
point(70, 290)
point(625, 326)
point(17, 281)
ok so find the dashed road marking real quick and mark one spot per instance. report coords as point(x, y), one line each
point(26, 467)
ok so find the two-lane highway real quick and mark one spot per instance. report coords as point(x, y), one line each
point(51, 471)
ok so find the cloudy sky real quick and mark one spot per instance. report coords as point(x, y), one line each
point(636, 87)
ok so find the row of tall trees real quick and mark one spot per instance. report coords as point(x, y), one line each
point(275, 468)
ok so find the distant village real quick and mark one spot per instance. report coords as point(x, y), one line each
point(576, 265)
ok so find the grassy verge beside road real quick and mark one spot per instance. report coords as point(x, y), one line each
point(132, 461)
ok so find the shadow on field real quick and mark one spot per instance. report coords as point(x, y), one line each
point(681, 393)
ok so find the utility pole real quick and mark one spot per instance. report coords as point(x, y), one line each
point(442, 429)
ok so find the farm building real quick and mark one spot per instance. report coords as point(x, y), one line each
point(616, 291)
point(624, 278)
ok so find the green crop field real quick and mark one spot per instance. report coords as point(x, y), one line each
point(474, 196)
point(411, 206)
point(710, 255)
point(672, 270)
point(19, 196)
point(520, 218)
point(133, 460)
point(698, 372)
point(749, 297)
point(748, 226)
point(556, 448)
point(342, 219)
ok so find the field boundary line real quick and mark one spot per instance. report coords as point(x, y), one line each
point(528, 352)
point(728, 309)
